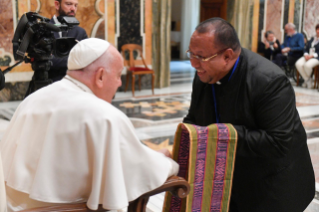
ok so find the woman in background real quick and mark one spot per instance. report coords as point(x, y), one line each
point(272, 45)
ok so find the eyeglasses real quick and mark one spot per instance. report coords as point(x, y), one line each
point(190, 55)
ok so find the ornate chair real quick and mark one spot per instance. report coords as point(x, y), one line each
point(316, 75)
point(131, 62)
point(176, 185)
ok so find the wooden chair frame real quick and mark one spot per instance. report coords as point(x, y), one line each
point(131, 64)
point(316, 76)
point(176, 185)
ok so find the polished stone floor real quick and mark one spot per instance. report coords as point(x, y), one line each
point(155, 118)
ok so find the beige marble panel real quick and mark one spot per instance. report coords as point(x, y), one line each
point(22, 7)
point(148, 31)
point(34, 5)
point(111, 21)
point(87, 15)
point(273, 18)
point(291, 12)
point(6, 25)
point(311, 17)
point(254, 43)
point(47, 8)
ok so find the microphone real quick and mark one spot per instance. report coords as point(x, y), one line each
point(51, 27)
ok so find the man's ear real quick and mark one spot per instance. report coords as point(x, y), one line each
point(228, 55)
point(57, 5)
point(98, 78)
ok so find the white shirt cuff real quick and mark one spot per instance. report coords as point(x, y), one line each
point(174, 168)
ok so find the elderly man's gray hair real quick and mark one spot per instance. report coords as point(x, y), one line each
point(291, 26)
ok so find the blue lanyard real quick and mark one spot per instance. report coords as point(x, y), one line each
point(214, 95)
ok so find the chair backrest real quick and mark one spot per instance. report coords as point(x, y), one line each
point(130, 61)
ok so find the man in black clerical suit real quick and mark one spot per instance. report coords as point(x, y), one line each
point(273, 170)
point(64, 8)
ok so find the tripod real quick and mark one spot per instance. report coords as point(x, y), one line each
point(40, 77)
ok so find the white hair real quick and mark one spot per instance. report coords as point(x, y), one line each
point(291, 26)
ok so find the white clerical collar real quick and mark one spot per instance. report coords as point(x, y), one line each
point(57, 22)
point(218, 83)
point(78, 84)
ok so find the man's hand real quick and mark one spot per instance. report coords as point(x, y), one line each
point(285, 50)
point(165, 152)
point(275, 45)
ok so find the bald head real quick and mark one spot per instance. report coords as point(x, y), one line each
point(223, 33)
point(102, 75)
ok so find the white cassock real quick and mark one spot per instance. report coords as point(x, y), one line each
point(65, 145)
point(3, 205)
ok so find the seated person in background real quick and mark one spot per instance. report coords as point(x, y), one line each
point(66, 143)
point(310, 59)
point(292, 48)
point(272, 45)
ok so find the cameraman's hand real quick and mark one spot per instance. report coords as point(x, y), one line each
point(275, 45)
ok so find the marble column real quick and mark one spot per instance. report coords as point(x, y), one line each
point(190, 19)
point(161, 42)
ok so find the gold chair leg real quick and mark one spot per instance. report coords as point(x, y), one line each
point(133, 83)
point(126, 83)
point(153, 79)
point(139, 82)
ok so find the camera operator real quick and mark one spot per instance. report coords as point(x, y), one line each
point(272, 45)
point(64, 8)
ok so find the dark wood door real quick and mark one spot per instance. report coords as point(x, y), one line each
point(213, 8)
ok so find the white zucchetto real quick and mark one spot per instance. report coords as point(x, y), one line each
point(85, 52)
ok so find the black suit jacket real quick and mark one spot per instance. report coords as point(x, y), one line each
point(59, 65)
point(273, 170)
point(309, 46)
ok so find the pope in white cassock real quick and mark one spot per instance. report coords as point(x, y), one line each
point(66, 143)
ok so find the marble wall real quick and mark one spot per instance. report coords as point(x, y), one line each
point(311, 17)
point(274, 14)
point(118, 21)
point(6, 32)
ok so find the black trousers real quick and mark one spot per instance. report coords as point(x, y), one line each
point(282, 60)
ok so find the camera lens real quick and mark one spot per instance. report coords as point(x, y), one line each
point(63, 46)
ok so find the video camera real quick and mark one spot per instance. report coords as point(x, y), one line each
point(34, 35)
point(34, 43)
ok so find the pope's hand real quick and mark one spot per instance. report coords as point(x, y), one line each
point(165, 152)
